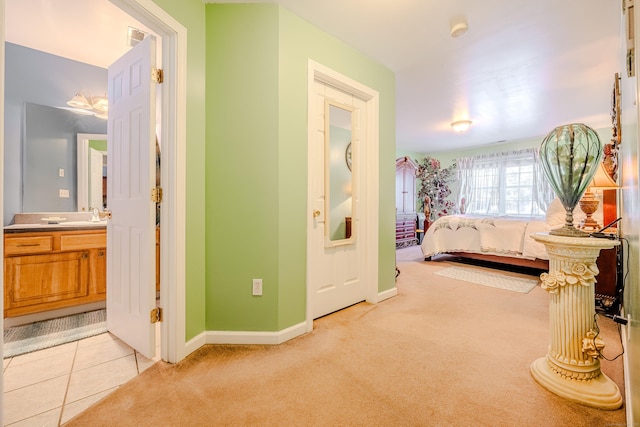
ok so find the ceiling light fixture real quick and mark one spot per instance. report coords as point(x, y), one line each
point(459, 28)
point(461, 125)
point(98, 106)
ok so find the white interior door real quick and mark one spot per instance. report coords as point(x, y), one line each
point(96, 164)
point(335, 268)
point(130, 231)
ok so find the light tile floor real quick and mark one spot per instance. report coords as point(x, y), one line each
point(51, 386)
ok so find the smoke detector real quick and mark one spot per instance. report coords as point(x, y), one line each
point(459, 29)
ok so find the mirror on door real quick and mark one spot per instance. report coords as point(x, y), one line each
point(339, 167)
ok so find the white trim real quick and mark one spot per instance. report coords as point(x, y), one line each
point(255, 337)
point(173, 136)
point(628, 401)
point(384, 295)
point(245, 337)
point(321, 73)
point(195, 343)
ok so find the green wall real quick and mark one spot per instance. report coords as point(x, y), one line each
point(190, 14)
point(98, 144)
point(256, 161)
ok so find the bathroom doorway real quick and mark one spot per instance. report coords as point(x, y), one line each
point(171, 132)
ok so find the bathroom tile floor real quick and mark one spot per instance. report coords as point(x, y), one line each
point(51, 386)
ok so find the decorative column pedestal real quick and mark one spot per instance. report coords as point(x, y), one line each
point(571, 368)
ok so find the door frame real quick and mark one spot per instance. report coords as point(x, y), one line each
point(370, 198)
point(173, 174)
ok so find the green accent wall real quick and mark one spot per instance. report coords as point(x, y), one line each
point(256, 161)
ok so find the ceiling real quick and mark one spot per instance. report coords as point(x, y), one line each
point(522, 68)
point(89, 31)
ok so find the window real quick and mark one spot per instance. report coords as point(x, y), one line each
point(510, 184)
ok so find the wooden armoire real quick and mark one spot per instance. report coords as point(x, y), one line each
point(406, 215)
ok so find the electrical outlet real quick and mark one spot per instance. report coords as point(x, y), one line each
point(64, 193)
point(257, 286)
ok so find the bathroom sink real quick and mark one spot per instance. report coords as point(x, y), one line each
point(83, 223)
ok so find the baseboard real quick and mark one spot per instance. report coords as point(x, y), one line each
point(245, 337)
point(389, 293)
point(628, 401)
point(195, 343)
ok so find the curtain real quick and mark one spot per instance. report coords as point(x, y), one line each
point(503, 183)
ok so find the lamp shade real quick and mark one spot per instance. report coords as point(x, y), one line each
point(570, 156)
point(602, 180)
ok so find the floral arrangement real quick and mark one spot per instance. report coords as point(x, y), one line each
point(435, 184)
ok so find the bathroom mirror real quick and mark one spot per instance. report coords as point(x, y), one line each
point(49, 167)
point(339, 167)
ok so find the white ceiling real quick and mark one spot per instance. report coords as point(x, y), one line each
point(523, 68)
point(90, 31)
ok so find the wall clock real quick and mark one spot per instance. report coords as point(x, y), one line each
point(347, 156)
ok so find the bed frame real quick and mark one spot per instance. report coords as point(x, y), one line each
point(540, 264)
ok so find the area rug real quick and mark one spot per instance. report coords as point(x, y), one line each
point(49, 333)
point(485, 278)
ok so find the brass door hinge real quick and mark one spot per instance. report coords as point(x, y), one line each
point(157, 76)
point(156, 315)
point(156, 194)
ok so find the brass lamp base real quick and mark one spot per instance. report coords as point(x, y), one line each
point(589, 205)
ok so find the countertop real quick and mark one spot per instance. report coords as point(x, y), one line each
point(53, 221)
point(63, 226)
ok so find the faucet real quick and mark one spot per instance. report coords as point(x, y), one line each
point(95, 216)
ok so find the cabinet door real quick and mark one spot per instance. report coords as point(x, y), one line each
point(46, 279)
point(99, 271)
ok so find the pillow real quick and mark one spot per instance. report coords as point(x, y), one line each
point(556, 214)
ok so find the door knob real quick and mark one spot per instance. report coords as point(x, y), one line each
point(316, 213)
point(107, 213)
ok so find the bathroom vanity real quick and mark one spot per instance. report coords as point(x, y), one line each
point(52, 266)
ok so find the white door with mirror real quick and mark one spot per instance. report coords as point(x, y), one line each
point(336, 257)
point(91, 175)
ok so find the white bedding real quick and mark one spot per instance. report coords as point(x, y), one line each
point(502, 236)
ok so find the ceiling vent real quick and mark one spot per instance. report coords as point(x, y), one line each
point(135, 36)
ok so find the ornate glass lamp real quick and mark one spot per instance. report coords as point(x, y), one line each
point(570, 155)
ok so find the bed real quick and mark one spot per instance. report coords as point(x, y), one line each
point(500, 239)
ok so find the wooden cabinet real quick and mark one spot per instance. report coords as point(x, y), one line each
point(46, 270)
point(405, 202)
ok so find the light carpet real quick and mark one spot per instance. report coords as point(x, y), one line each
point(445, 354)
point(48, 333)
point(485, 278)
